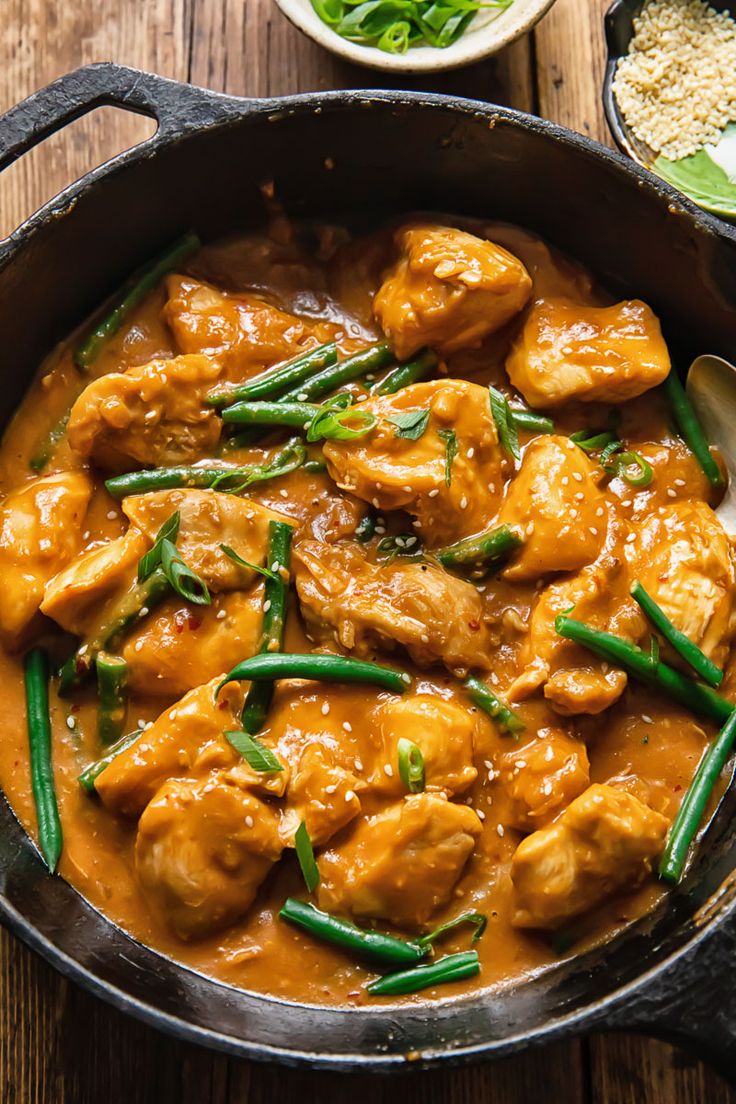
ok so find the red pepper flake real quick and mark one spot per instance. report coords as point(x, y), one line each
point(474, 625)
point(677, 788)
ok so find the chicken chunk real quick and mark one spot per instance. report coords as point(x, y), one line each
point(203, 848)
point(442, 730)
point(605, 841)
point(77, 597)
point(401, 864)
point(684, 562)
point(542, 776)
point(569, 351)
point(448, 289)
point(555, 484)
point(574, 680)
point(321, 793)
point(153, 414)
point(242, 333)
point(40, 530)
point(209, 519)
point(450, 496)
point(185, 739)
point(434, 615)
point(178, 646)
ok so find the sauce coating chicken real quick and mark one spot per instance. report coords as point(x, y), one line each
point(489, 764)
point(448, 289)
point(593, 354)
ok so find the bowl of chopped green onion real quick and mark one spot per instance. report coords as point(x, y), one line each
point(412, 36)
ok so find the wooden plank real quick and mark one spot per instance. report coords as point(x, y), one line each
point(570, 57)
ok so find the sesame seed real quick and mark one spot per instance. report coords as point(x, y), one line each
point(388, 770)
point(70, 723)
point(358, 764)
point(626, 503)
point(375, 502)
point(302, 396)
point(547, 788)
point(406, 678)
point(407, 489)
point(593, 530)
point(143, 611)
point(380, 529)
point(221, 615)
point(140, 723)
point(349, 795)
point(267, 605)
point(138, 646)
point(284, 493)
point(646, 718)
point(434, 492)
point(565, 480)
point(577, 477)
point(331, 788)
point(471, 453)
point(249, 821)
point(679, 482)
point(463, 502)
point(500, 830)
point(325, 708)
point(111, 515)
point(424, 638)
point(275, 566)
point(631, 538)
point(479, 813)
point(347, 726)
point(599, 512)
point(671, 493)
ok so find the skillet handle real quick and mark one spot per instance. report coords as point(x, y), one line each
point(173, 104)
point(692, 1005)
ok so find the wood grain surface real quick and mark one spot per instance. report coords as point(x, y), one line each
point(58, 1045)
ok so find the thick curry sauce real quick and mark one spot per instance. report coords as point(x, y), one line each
point(246, 305)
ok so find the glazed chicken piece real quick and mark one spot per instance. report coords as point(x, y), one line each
point(569, 351)
point(154, 414)
point(208, 520)
point(401, 864)
point(321, 793)
point(604, 841)
point(242, 333)
point(442, 730)
point(434, 615)
point(185, 739)
point(541, 776)
point(204, 846)
point(395, 473)
point(555, 504)
point(683, 561)
point(78, 596)
point(448, 289)
point(574, 680)
point(40, 530)
point(178, 646)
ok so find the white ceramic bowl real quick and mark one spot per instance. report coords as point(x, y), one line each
point(489, 31)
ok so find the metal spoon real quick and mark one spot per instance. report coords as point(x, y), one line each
point(711, 388)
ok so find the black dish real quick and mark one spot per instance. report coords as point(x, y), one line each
point(376, 153)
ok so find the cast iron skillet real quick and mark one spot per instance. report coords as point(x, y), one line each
point(376, 153)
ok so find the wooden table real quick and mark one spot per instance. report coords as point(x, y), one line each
point(58, 1045)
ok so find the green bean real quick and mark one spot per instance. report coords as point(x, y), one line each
point(455, 967)
point(112, 678)
point(689, 651)
point(690, 813)
point(139, 600)
point(227, 480)
point(530, 422)
point(373, 945)
point(305, 855)
point(130, 295)
point(367, 360)
point(90, 774)
point(36, 678)
point(275, 598)
point(321, 668)
point(504, 716)
point(413, 371)
point(487, 550)
point(690, 428)
point(296, 415)
point(647, 668)
point(50, 443)
point(270, 384)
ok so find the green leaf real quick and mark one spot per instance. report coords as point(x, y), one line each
point(245, 563)
point(450, 439)
point(168, 531)
point(305, 855)
point(182, 579)
point(701, 178)
point(258, 756)
point(410, 425)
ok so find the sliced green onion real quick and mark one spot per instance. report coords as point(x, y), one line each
point(182, 579)
point(332, 424)
point(450, 439)
point(256, 754)
point(507, 434)
point(592, 442)
point(168, 531)
point(90, 774)
point(305, 855)
point(531, 422)
point(454, 967)
point(685, 647)
point(410, 425)
point(622, 464)
point(477, 919)
point(411, 765)
point(233, 555)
